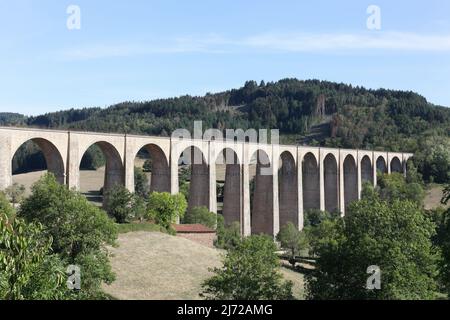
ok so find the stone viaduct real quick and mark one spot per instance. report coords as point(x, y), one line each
point(289, 179)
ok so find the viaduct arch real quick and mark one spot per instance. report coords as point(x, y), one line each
point(289, 179)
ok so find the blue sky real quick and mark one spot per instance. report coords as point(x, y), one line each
point(141, 50)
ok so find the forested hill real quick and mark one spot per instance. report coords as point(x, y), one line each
point(306, 112)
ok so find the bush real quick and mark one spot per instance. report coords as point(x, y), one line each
point(80, 231)
point(228, 237)
point(141, 185)
point(164, 208)
point(322, 234)
point(314, 217)
point(291, 240)
point(147, 165)
point(123, 205)
point(202, 216)
point(184, 181)
point(249, 272)
point(393, 187)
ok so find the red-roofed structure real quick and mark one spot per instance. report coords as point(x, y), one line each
point(193, 228)
point(196, 232)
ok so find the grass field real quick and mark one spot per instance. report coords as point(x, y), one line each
point(154, 265)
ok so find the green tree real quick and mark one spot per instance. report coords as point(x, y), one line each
point(443, 240)
point(292, 240)
point(184, 177)
point(412, 174)
point(393, 235)
point(121, 204)
point(433, 157)
point(147, 166)
point(327, 230)
point(314, 217)
point(202, 216)
point(394, 186)
point(249, 272)
point(80, 231)
point(141, 185)
point(228, 237)
point(28, 268)
point(93, 158)
point(164, 208)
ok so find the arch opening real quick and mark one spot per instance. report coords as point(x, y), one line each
point(288, 190)
point(366, 170)
point(101, 169)
point(261, 194)
point(331, 182)
point(381, 167)
point(350, 180)
point(229, 186)
point(396, 165)
point(32, 159)
point(193, 174)
point(151, 171)
point(310, 182)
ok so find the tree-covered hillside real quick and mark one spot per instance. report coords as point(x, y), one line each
point(306, 112)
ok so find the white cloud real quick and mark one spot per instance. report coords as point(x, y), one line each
point(269, 42)
point(176, 45)
point(332, 42)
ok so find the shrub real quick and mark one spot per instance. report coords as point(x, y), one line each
point(393, 186)
point(249, 272)
point(292, 240)
point(202, 216)
point(147, 165)
point(141, 185)
point(314, 217)
point(164, 208)
point(122, 205)
point(228, 237)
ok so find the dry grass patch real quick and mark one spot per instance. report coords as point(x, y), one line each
point(154, 265)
